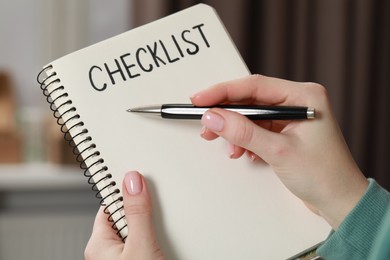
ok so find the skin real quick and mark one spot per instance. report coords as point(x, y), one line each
point(141, 242)
point(310, 157)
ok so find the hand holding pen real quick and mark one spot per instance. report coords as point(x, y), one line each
point(309, 156)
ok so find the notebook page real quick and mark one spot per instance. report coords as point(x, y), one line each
point(206, 206)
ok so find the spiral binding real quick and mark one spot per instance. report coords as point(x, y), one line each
point(87, 153)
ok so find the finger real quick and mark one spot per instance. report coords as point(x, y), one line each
point(253, 89)
point(208, 135)
point(103, 238)
point(102, 228)
point(266, 124)
point(240, 131)
point(252, 156)
point(138, 211)
point(235, 151)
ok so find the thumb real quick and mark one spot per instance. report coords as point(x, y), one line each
point(239, 130)
point(138, 210)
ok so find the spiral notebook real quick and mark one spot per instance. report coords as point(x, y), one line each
point(206, 206)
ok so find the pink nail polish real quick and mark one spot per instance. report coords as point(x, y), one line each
point(231, 150)
point(195, 95)
point(203, 131)
point(213, 121)
point(133, 183)
point(253, 157)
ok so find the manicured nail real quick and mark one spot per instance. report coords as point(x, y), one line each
point(231, 150)
point(133, 183)
point(253, 157)
point(203, 131)
point(195, 95)
point(213, 121)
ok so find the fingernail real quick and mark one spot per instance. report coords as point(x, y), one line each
point(213, 121)
point(194, 96)
point(231, 150)
point(203, 131)
point(133, 183)
point(253, 157)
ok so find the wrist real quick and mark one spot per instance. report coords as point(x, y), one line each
point(343, 199)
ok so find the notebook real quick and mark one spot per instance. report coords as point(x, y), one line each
point(206, 206)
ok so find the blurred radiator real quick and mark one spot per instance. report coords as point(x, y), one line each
point(44, 237)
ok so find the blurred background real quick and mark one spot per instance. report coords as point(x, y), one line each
point(46, 207)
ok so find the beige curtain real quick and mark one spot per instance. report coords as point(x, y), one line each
point(342, 44)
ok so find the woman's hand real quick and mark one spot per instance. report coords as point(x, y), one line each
point(141, 243)
point(309, 156)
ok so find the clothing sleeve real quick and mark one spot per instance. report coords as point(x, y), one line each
point(357, 234)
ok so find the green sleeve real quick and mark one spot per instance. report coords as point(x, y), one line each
point(360, 230)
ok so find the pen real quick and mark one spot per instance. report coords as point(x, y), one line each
point(188, 111)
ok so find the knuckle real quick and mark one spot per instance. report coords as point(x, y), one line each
point(243, 135)
point(255, 78)
point(138, 209)
point(318, 91)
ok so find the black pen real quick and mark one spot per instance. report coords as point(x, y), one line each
point(188, 111)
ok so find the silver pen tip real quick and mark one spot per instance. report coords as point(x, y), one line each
point(311, 114)
point(147, 109)
point(137, 109)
